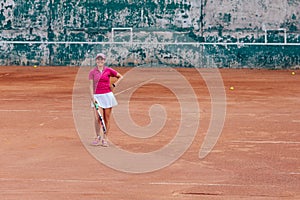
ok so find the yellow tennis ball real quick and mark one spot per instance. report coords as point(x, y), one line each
point(35, 66)
point(293, 73)
point(231, 88)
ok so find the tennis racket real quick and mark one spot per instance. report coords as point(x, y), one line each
point(96, 105)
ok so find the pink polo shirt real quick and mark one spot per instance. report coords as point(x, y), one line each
point(102, 80)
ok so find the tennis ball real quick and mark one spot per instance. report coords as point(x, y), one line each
point(231, 88)
point(35, 66)
point(293, 73)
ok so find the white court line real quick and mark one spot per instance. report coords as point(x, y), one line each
point(14, 110)
point(17, 191)
point(207, 184)
point(290, 173)
point(9, 99)
point(53, 180)
point(150, 183)
point(265, 142)
point(137, 85)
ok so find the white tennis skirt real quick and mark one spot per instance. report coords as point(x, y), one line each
point(106, 100)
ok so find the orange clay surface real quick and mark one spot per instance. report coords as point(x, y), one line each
point(256, 156)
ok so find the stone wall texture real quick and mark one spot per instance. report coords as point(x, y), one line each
point(259, 33)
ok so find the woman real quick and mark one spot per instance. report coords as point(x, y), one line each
point(101, 91)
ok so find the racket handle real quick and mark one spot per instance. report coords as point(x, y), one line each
point(96, 105)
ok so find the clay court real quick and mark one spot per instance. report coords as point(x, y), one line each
point(256, 155)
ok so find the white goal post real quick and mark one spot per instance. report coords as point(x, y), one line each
point(280, 29)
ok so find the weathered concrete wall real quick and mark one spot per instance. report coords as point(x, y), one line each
point(152, 21)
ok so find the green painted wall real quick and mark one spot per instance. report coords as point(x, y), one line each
point(152, 21)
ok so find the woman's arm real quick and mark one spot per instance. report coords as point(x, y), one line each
point(119, 77)
point(92, 90)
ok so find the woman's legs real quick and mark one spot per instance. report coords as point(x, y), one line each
point(106, 117)
point(97, 128)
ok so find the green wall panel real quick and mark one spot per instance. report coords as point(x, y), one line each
point(195, 21)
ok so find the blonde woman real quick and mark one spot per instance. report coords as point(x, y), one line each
point(101, 91)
